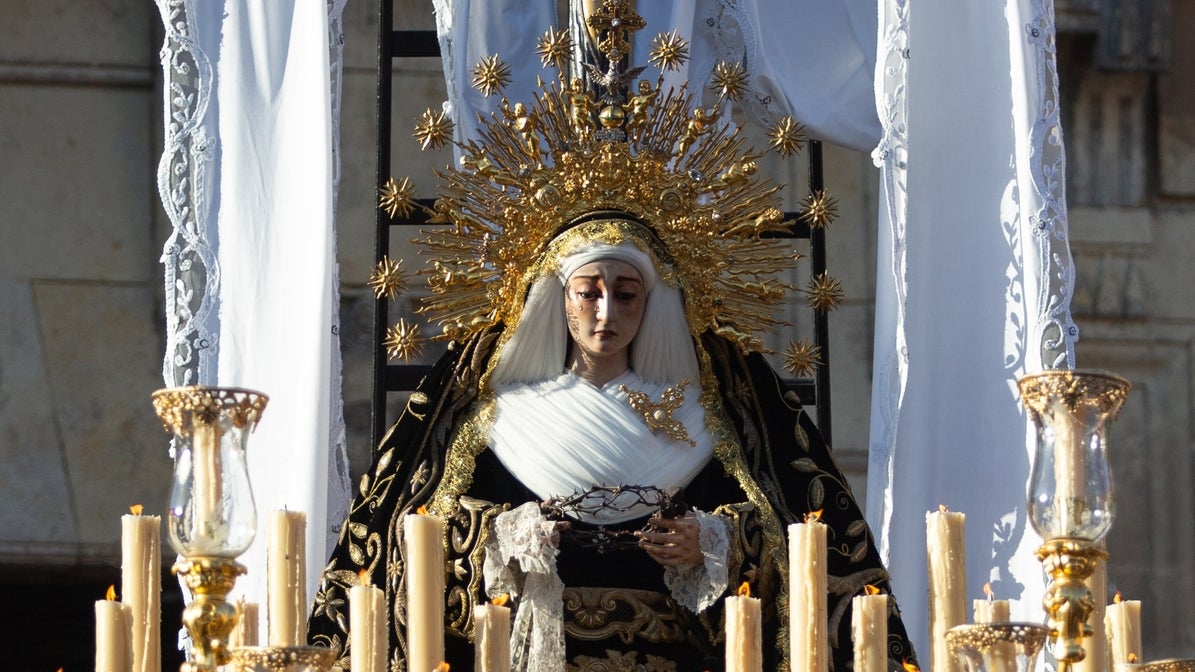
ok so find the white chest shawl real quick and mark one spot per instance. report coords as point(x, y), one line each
point(563, 436)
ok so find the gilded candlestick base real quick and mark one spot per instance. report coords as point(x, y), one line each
point(209, 618)
point(282, 659)
point(1068, 602)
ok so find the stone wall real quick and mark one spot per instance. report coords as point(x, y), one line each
point(81, 308)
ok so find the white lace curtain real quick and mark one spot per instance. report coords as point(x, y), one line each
point(974, 280)
point(248, 178)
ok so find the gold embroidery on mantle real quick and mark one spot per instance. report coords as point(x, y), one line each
point(598, 613)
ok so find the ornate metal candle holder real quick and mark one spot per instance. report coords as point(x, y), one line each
point(1070, 503)
point(996, 647)
point(211, 518)
point(281, 659)
point(1168, 665)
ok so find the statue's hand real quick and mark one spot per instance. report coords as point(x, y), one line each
point(672, 541)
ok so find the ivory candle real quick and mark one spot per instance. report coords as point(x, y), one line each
point(141, 587)
point(1000, 657)
point(286, 576)
point(807, 618)
point(423, 539)
point(1122, 620)
point(744, 636)
point(112, 634)
point(367, 628)
point(207, 483)
point(869, 632)
point(990, 610)
point(245, 633)
point(491, 641)
point(1070, 476)
point(946, 551)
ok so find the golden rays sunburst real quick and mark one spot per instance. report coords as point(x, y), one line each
point(403, 341)
point(824, 293)
point(787, 137)
point(669, 51)
point(801, 358)
point(555, 48)
point(433, 130)
point(820, 209)
point(388, 279)
point(729, 80)
point(491, 75)
point(397, 197)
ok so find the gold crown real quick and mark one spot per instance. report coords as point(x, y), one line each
point(654, 157)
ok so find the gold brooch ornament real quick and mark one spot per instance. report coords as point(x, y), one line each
point(603, 139)
point(658, 414)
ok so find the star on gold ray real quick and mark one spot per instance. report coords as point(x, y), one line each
point(787, 137)
point(433, 130)
point(491, 75)
point(554, 48)
point(669, 51)
point(388, 279)
point(729, 80)
point(824, 293)
point(397, 197)
point(403, 340)
point(801, 358)
point(820, 209)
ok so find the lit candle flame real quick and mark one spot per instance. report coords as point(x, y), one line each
point(1116, 598)
point(1132, 657)
point(813, 516)
point(500, 600)
point(987, 590)
point(943, 508)
point(422, 510)
point(136, 509)
point(111, 594)
point(442, 667)
point(745, 590)
point(870, 590)
point(363, 577)
point(909, 666)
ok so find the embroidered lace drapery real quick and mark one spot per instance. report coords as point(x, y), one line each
point(248, 179)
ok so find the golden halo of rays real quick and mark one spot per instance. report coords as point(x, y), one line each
point(786, 136)
point(404, 341)
point(801, 358)
point(555, 48)
point(820, 209)
point(433, 130)
point(388, 279)
point(491, 75)
point(669, 51)
point(729, 80)
point(397, 197)
point(824, 293)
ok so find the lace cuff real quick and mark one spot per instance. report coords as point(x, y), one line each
point(699, 585)
point(520, 559)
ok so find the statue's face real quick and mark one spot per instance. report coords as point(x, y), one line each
point(604, 302)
